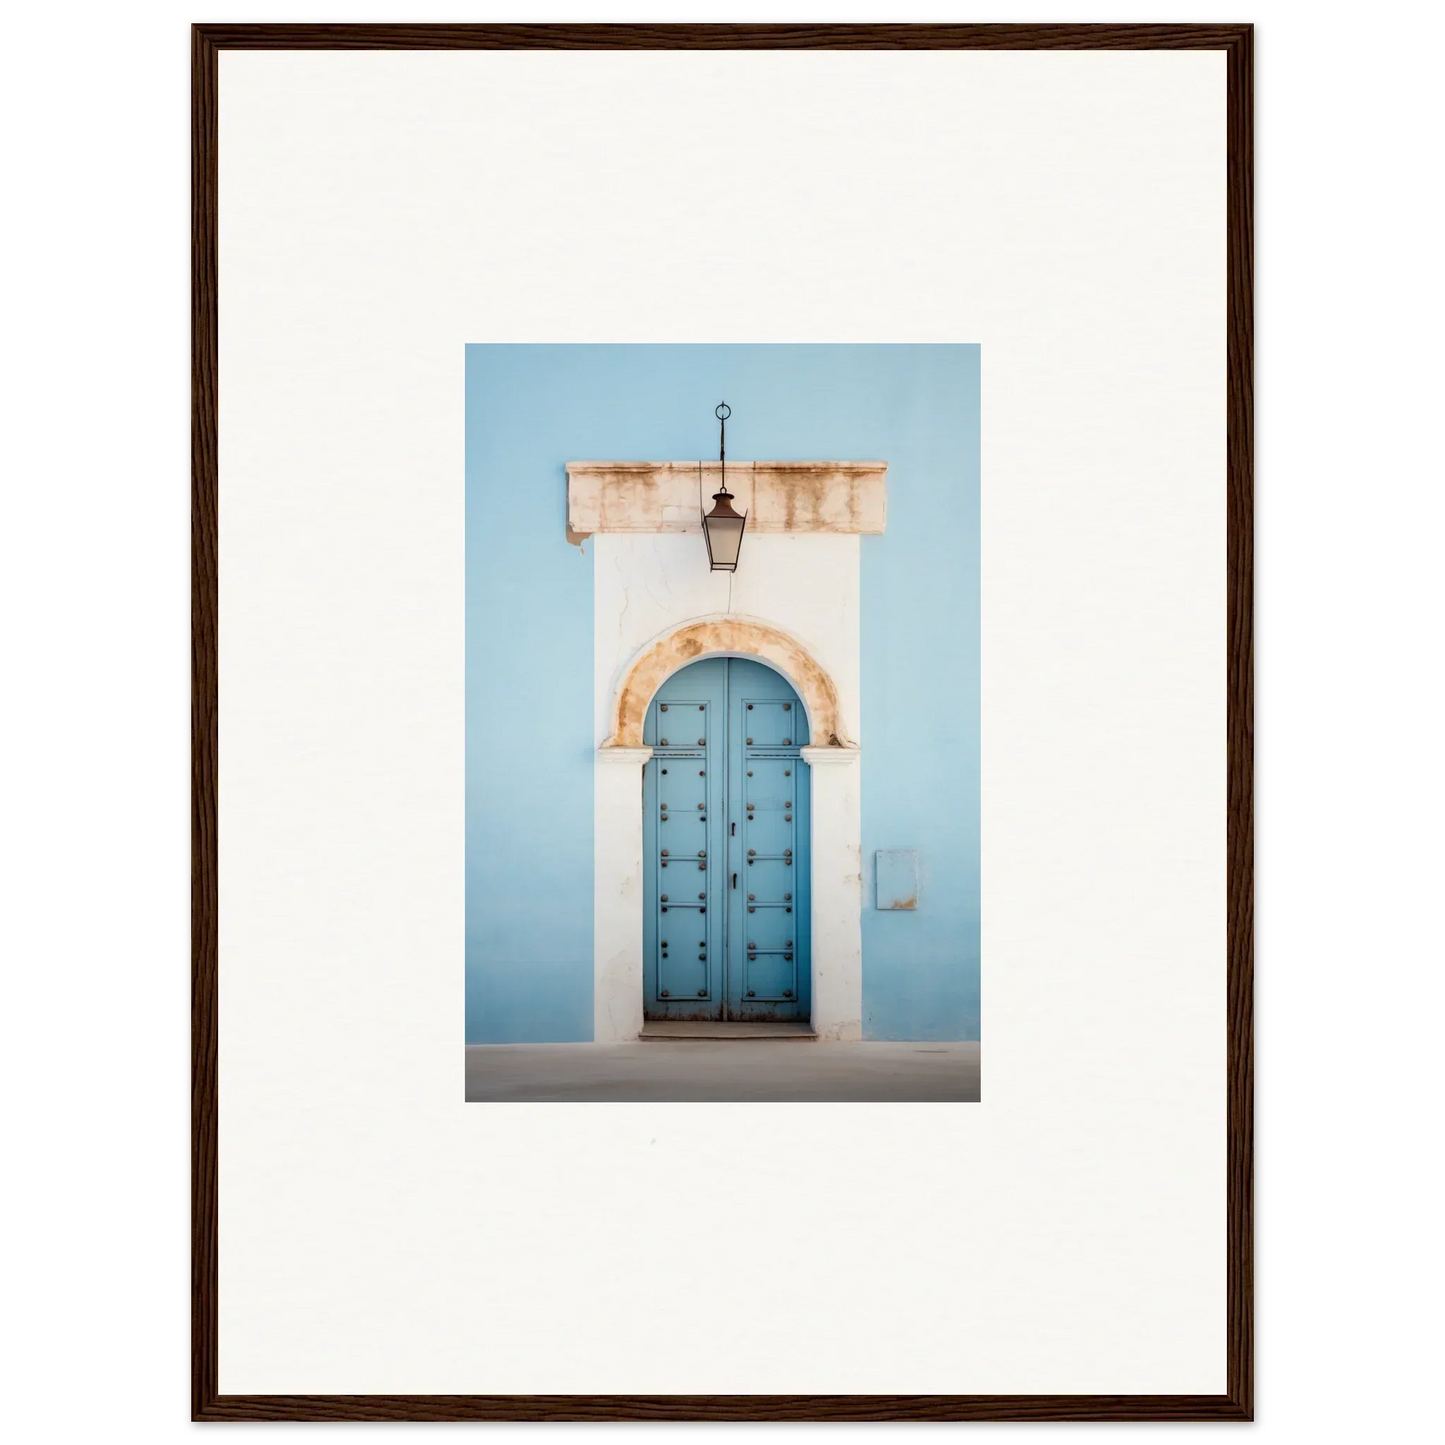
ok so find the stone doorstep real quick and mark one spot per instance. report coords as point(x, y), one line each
point(667, 1030)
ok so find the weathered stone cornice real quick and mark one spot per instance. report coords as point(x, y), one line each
point(839, 497)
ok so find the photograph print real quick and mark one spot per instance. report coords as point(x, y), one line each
point(722, 723)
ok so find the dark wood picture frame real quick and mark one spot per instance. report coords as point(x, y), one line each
point(1237, 1403)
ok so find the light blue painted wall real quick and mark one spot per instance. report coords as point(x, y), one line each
point(529, 648)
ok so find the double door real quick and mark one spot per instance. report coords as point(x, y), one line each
point(725, 839)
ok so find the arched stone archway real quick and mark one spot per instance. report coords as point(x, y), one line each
point(724, 636)
point(618, 899)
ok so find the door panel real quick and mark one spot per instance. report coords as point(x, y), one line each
point(768, 722)
point(769, 831)
point(768, 929)
point(771, 980)
point(771, 880)
point(683, 806)
point(769, 969)
point(725, 836)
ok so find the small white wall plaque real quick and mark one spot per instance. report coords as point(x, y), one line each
point(895, 878)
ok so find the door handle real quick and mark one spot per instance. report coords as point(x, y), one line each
point(735, 880)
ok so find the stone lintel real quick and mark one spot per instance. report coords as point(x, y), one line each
point(836, 497)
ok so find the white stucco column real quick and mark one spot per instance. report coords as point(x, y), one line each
point(617, 899)
point(837, 894)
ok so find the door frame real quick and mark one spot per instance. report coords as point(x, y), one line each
point(619, 890)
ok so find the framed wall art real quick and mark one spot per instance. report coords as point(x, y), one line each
point(722, 755)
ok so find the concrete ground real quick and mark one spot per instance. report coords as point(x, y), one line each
point(772, 1070)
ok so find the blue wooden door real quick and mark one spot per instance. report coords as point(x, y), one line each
point(725, 805)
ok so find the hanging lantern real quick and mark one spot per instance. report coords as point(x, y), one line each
point(723, 527)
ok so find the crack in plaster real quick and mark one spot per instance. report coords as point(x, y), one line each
point(626, 599)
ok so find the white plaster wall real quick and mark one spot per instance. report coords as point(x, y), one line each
point(807, 584)
point(645, 585)
point(837, 894)
point(618, 893)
